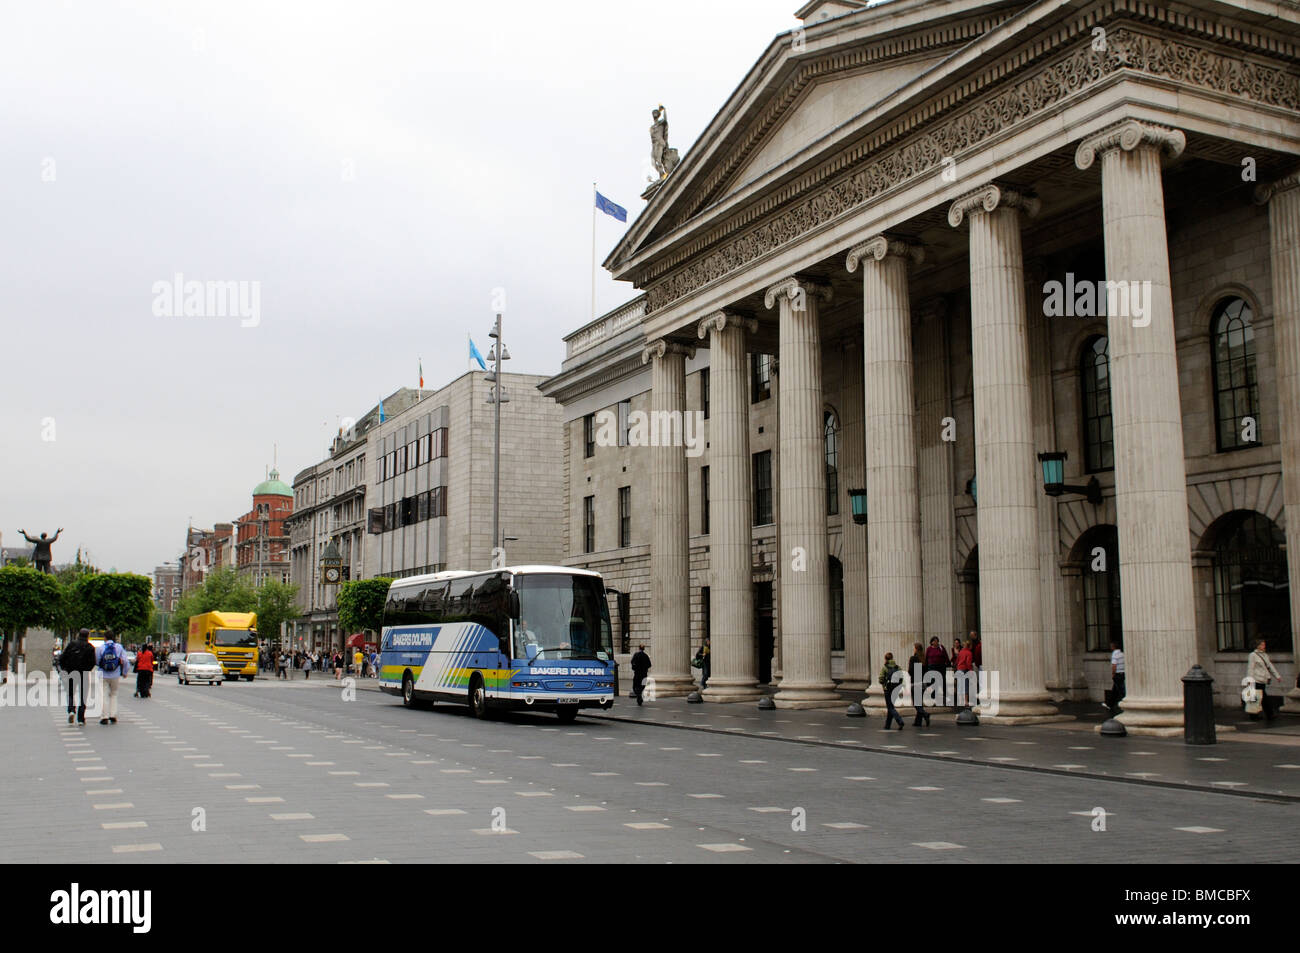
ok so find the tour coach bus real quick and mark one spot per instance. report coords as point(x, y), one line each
point(230, 636)
point(527, 637)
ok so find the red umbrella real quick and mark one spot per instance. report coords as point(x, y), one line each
point(355, 640)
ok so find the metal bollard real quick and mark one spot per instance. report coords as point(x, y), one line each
point(1198, 707)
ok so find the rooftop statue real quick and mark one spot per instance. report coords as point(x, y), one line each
point(41, 554)
point(664, 158)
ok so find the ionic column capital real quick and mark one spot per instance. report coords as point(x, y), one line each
point(879, 247)
point(795, 287)
point(722, 320)
point(1265, 191)
point(1128, 135)
point(662, 346)
point(988, 198)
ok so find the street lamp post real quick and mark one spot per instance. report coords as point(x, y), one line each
point(496, 355)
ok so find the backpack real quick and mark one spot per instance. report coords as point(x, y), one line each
point(109, 661)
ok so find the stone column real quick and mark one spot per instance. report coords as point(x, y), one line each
point(1011, 617)
point(893, 510)
point(857, 626)
point(1043, 404)
point(1283, 198)
point(733, 676)
point(670, 577)
point(805, 574)
point(1150, 480)
point(936, 435)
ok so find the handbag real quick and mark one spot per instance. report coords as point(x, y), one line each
point(697, 662)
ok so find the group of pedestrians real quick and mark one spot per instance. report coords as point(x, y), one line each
point(965, 661)
point(81, 657)
point(341, 661)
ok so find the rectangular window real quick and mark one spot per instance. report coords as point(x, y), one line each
point(704, 392)
point(440, 443)
point(704, 500)
point(438, 501)
point(390, 517)
point(392, 464)
point(763, 488)
point(426, 448)
point(624, 413)
point(401, 459)
point(421, 507)
point(624, 516)
point(760, 377)
point(589, 436)
point(413, 455)
point(589, 524)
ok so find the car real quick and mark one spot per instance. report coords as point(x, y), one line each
point(200, 667)
point(174, 662)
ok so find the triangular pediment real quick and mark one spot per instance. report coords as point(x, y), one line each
point(808, 87)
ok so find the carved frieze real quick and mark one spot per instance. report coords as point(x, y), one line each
point(1017, 102)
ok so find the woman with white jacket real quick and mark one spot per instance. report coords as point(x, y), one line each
point(1260, 671)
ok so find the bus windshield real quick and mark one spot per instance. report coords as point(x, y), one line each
point(234, 637)
point(564, 617)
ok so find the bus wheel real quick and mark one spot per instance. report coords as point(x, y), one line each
point(477, 697)
point(566, 713)
point(408, 690)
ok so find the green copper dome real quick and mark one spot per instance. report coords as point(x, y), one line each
point(273, 487)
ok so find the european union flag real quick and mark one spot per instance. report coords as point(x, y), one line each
point(475, 355)
point(609, 208)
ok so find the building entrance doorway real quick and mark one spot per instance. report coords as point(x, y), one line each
point(763, 630)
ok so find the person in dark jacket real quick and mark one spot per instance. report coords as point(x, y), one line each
point(916, 666)
point(890, 678)
point(936, 660)
point(77, 659)
point(640, 668)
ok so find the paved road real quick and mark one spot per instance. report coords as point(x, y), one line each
point(297, 773)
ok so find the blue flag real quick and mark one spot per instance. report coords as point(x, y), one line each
point(609, 208)
point(475, 355)
point(381, 411)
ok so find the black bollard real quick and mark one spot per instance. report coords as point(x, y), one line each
point(1198, 707)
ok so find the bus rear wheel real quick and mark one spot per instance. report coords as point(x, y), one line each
point(408, 690)
point(477, 698)
point(566, 713)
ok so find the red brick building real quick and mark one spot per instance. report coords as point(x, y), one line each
point(261, 542)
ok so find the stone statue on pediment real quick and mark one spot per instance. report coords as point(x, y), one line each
point(41, 553)
point(665, 159)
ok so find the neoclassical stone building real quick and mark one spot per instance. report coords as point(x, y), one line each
point(971, 233)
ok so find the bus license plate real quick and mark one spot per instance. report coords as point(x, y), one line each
point(567, 701)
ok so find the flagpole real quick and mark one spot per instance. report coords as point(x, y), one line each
point(593, 251)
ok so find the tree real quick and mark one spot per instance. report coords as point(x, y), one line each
point(361, 604)
point(119, 601)
point(27, 598)
point(275, 604)
point(71, 609)
point(224, 590)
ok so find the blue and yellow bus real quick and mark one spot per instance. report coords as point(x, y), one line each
point(535, 638)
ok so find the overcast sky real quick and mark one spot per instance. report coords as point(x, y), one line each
point(376, 168)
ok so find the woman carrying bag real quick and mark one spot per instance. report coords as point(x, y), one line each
point(1260, 671)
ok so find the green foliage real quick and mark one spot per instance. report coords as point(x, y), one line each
point(20, 561)
point(27, 598)
point(118, 601)
point(223, 591)
point(275, 604)
point(361, 604)
point(71, 609)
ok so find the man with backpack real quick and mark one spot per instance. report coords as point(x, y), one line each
point(111, 661)
point(77, 659)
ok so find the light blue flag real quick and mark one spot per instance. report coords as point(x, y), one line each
point(475, 355)
point(381, 411)
point(610, 208)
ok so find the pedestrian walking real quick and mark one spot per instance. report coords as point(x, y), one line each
point(306, 665)
point(965, 683)
point(337, 662)
point(702, 662)
point(144, 672)
point(282, 661)
point(77, 658)
point(976, 651)
point(936, 660)
point(1260, 671)
point(374, 663)
point(640, 668)
point(110, 659)
point(888, 674)
point(1115, 694)
point(356, 662)
point(916, 667)
point(956, 651)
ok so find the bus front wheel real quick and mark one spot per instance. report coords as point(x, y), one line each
point(477, 698)
point(566, 713)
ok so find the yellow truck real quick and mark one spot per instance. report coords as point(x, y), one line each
point(230, 636)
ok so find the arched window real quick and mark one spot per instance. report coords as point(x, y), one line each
point(1251, 590)
point(1236, 391)
point(837, 605)
point(1094, 372)
point(831, 430)
point(1102, 613)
